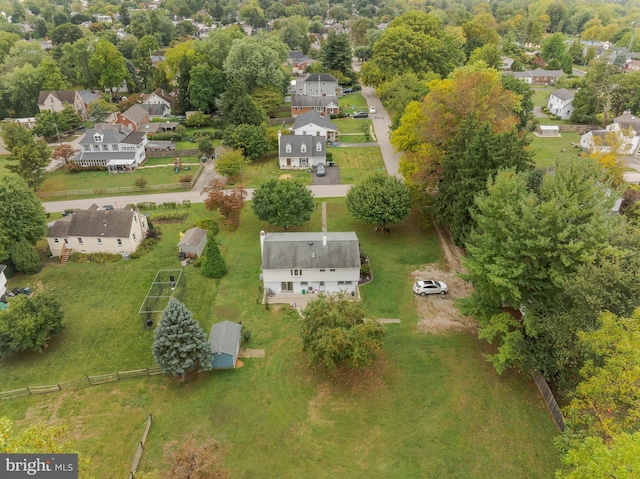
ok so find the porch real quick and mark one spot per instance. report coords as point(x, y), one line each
point(298, 301)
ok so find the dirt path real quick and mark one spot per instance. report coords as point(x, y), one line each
point(439, 313)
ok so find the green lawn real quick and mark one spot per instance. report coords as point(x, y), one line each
point(267, 168)
point(351, 100)
point(548, 150)
point(351, 125)
point(356, 139)
point(430, 407)
point(356, 163)
point(61, 179)
point(541, 95)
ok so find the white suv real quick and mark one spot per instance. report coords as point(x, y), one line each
point(429, 286)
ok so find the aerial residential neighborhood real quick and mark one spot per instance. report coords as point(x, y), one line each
point(292, 239)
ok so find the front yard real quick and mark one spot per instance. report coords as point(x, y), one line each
point(430, 407)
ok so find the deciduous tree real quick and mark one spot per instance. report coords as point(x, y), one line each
point(180, 344)
point(283, 203)
point(335, 333)
point(380, 200)
point(64, 151)
point(250, 139)
point(108, 62)
point(28, 157)
point(29, 323)
point(206, 84)
point(254, 64)
point(228, 203)
point(231, 164)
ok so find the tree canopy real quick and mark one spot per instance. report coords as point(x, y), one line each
point(335, 333)
point(283, 203)
point(380, 200)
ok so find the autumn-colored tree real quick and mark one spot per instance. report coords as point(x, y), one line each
point(64, 151)
point(228, 203)
point(607, 150)
point(428, 127)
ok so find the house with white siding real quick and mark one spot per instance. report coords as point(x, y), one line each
point(118, 150)
point(301, 151)
point(315, 124)
point(98, 231)
point(327, 262)
point(560, 103)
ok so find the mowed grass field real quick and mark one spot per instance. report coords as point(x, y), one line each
point(431, 406)
point(549, 150)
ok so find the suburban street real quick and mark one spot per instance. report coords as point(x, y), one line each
point(381, 123)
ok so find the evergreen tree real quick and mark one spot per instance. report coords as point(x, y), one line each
point(336, 53)
point(180, 344)
point(283, 203)
point(213, 265)
point(475, 155)
point(25, 257)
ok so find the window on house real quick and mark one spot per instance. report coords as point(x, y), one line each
point(114, 147)
point(296, 272)
point(55, 240)
point(105, 147)
point(96, 147)
point(135, 218)
point(99, 240)
point(288, 148)
point(332, 269)
point(98, 138)
point(318, 146)
point(79, 240)
point(87, 147)
point(322, 270)
point(134, 236)
point(119, 242)
point(303, 148)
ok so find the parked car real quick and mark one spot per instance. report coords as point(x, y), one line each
point(372, 110)
point(361, 114)
point(347, 90)
point(430, 286)
point(320, 171)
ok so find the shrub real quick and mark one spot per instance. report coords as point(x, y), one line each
point(365, 270)
point(176, 217)
point(185, 179)
point(168, 136)
point(25, 257)
point(73, 168)
point(170, 204)
point(145, 247)
point(141, 182)
point(186, 203)
point(42, 247)
point(198, 261)
point(246, 336)
point(210, 225)
point(363, 256)
point(148, 205)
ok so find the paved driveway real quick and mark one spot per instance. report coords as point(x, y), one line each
point(332, 176)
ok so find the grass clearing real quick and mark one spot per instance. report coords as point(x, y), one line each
point(351, 125)
point(355, 138)
point(356, 163)
point(430, 407)
point(352, 102)
point(268, 168)
point(549, 149)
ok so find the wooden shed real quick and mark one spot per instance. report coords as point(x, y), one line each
point(225, 344)
point(192, 243)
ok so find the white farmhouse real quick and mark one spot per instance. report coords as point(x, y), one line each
point(315, 124)
point(310, 262)
point(561, 103)
point(116, 150)
point(624, 132)
point(98, 231)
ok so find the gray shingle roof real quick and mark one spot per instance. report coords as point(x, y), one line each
point(108, 137)
point(68, 96)
point(313, 101)
point(134, 138)
point(296, 141)
point(628, 120)
point(88, 96)
point(316, 118)
point(154, 109)
point(224, 337)
point(563, 94)
point(136, 113)
point(306, 250)
point(193, 236)
point(321, 77)
point(93, 223)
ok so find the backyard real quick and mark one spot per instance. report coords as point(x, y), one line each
point(431, 406)
point(547, 150)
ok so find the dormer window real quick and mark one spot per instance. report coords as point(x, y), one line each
point(318, 146)
point(303, 148)
point(288, 148)
point(98, 137)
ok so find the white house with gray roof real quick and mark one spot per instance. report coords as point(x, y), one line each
point(313, 262)
point(624, 133)
point(317, 84)
point(560, 103)
point(301, 151)
point(315, 124)
point(117, 150)
point(98, 231)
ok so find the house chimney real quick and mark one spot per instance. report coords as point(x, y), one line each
point(262, 237)
point(324, 241)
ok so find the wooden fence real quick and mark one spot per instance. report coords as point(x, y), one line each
point(548, 397)
point(136, 459)
point(86, 381)
point(172, 153)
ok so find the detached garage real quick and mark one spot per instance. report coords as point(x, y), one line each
point(225, 344)
point(192, 243)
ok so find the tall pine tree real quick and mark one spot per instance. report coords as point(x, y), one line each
point(180, 344)
point(213, 265)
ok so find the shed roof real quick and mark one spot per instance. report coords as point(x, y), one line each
point(307, 250)
point(224, 337)
point(193, 236)
point(94, 223)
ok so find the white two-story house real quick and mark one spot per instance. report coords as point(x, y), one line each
point(317, 84)
point(118, 151)
point(623, 134)
point(560, 103)
point(315, 124)
point(301, 151)
point(310, 262)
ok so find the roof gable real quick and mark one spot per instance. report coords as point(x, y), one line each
point(313, 118)
point(314, 145)
point(136, 113)
point(563, 94)
point(193, 236)
point(326, 77)
point(94, 223)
